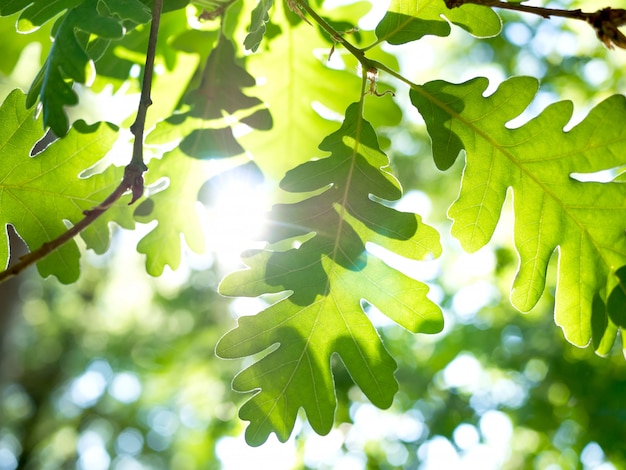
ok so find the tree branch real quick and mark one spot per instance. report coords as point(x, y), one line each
point(605, 22)
point(133, 173)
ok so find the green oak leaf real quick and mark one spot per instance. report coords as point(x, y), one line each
point(134, 11)
point(35, 13)
point(584, 221)
point(295, 82)
point(81, 35)
point(202, 133)
point(175, 209)
point(329, 280)
point(258, 19)
point(50, 183)
point(407, 21)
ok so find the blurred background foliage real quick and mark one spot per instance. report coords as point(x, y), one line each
point(118, 370)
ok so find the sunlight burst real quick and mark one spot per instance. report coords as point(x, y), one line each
point(236, 217)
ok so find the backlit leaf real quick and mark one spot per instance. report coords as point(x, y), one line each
point(407, 21)
point(584, 221)
point(298, 87)
point(81, 35)
point(202, 133)
point(37, 194)
point(329, 279)
point(175, 208)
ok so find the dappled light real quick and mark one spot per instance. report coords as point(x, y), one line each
point(312, 235)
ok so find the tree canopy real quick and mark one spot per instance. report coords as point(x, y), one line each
point(416, 165)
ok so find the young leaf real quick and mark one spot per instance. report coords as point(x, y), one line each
point(37, 194)
point(328, 277)
point(585, 221)
point(410, 21)
point(259, 18)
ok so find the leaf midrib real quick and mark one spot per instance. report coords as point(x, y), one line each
point(513, 159)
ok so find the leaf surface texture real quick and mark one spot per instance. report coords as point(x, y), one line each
point(585, 221)
point(37, 194)
point(330, 279)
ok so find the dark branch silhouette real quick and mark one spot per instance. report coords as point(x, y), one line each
point(605, 21)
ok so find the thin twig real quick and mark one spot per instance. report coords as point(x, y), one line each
point(370, 66)
point(605, 21)
point(133, 173)
point(359, 54)
point(543, 12)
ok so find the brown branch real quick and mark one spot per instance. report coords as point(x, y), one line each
point(133, 173)
point(605, 22)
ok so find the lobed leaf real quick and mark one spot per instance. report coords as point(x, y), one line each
point(176, 210)
point(38, 194)
point(81, 34)
point(329, 280)
point(296, 83)
point(407, 21)
point(584, 221)
point(201, 134)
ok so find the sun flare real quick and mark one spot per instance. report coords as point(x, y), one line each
point(236, 217)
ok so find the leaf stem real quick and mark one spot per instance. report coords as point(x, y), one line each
point(359, 54)
point(133, 173)
point(605, 21)
point(368, 65)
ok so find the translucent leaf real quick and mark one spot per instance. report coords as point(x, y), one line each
point(409, 21)
point(329, 279)
point(76, 31)
point(202, 133)
point(584, 221)
point(37, 194)
point(303, 94)
point(176, 210)
point(133, 11)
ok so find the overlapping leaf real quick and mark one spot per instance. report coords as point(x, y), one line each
point(407, 21)
point(329, 277)
point(201, 134)
point(296, 83)
point(586, 221)
point(37, 194)
point(258, 21)
point(81, 35)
